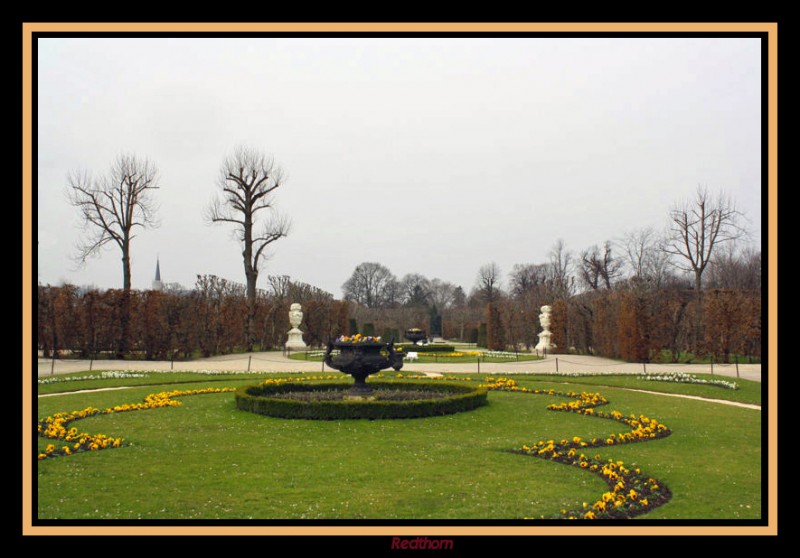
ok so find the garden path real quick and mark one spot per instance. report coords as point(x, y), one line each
point(277, 362)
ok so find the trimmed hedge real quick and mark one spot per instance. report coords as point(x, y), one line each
point(256, 399)
point(429, 348)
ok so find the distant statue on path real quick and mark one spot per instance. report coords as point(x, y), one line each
point(545, 344)
point(295, 341)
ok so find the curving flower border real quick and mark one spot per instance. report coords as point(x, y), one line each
point(631, 492)
point(54, 427)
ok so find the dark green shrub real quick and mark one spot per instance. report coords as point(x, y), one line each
point(369, 330)
point(482, 339)
point(256, 399)
point(352, 327)
point(429, 348)
point(391, 333)
point(472, 335)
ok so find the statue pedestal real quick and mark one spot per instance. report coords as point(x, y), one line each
point(544, 344)
point(295, 341)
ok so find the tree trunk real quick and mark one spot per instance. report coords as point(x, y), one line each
point(251, 310)
point(125, 317)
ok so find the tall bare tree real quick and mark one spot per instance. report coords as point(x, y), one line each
point(644, 254)
point(415, 289)
point(487, 284)
point(698, 226)
point(246, 185)
point(559, 270)
point(371, 284)
point(113, 205)
point(598, 270)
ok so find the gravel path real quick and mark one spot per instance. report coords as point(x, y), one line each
point(276, 362)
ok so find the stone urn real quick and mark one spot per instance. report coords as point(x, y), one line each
point(360, 358)
point(415, 335)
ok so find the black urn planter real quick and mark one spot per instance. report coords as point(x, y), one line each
point(415, 335)
point(359, 360)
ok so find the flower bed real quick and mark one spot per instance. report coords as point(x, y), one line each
point(631, 492)
point(683, 378)
point(55, 427)
point(105, 375)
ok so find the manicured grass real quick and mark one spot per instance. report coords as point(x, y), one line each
point(691, 358)
point(206, 459)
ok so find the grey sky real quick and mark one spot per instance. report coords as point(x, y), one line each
point(428, 155)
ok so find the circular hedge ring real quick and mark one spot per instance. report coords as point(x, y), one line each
point(441, 398)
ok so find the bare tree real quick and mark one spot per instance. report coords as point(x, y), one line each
point(645, 255)
point(113, 205)
point(698, 226)
point(733, 270)
point(415, 289)
point(597, 267)
point(560, 269)
point(487, 285)
point(247, 182)
point(372, 285)
point(442, 294)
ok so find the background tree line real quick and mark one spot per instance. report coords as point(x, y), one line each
point(208, 320)
point(695, 288)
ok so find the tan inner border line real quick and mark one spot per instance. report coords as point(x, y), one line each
point(376, 27)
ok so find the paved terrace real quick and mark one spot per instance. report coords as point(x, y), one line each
point(276, 362)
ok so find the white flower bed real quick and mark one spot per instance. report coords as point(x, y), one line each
point(683, 378)
point(105, 375)
point(499, 354)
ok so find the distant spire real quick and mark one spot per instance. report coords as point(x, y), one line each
point(157, 284)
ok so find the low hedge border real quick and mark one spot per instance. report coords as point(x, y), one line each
point(429, 348)
point(256, 399)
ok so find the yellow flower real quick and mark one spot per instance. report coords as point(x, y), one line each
point(632, 494)
point(644, 502)
point(589, 515)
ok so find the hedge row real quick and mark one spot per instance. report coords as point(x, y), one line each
point(256, 399)
point(429, 348)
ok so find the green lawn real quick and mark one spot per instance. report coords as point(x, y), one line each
point(208, 460)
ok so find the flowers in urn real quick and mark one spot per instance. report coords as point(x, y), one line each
point(358, 338)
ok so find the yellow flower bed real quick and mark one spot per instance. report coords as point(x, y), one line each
point(55, 427)
point(631, 492)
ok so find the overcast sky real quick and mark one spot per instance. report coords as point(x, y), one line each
point(432, 156)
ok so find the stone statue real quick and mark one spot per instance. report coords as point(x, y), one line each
point(545, 344)
point(295, 315)
point(295, 341)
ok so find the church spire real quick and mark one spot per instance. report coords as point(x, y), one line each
point(157, 284)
